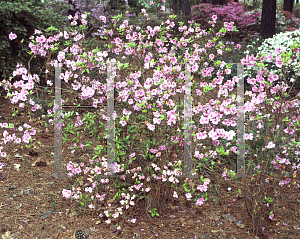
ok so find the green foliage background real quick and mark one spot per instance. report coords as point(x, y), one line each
point(22, 17)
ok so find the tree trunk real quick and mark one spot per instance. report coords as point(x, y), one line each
point(175, 6)
point(236, 0)
point(204, 1)
point(288, 5)
point(297, 1)
point(268, 17)
point(186, 10)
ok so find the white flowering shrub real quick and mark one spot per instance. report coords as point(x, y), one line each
point(275, 46)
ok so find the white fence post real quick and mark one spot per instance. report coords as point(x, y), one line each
point(188, 143)
point(187, 123)
point(110, 122)
point(240, 122)
point(57, 126)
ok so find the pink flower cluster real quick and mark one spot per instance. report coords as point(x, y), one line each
point(13, 138)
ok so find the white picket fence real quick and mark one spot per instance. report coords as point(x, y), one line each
point(188, 148)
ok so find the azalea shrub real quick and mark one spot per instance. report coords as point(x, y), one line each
point(286, 21)
point(245, 22)
point(280, 46)
point(148, 63)
point(150, 113)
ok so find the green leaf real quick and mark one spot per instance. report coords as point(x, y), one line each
point(51, 29)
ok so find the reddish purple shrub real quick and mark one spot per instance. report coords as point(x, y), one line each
point(232, 12)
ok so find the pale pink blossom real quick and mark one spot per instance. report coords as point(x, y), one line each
point(279, 61)
point(12, 36)
point(103, 18)
point(200, 201)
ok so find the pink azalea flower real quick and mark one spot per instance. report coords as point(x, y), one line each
point(12, 36)
point(278, 61)
point(200, 201)
point(103, 18)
